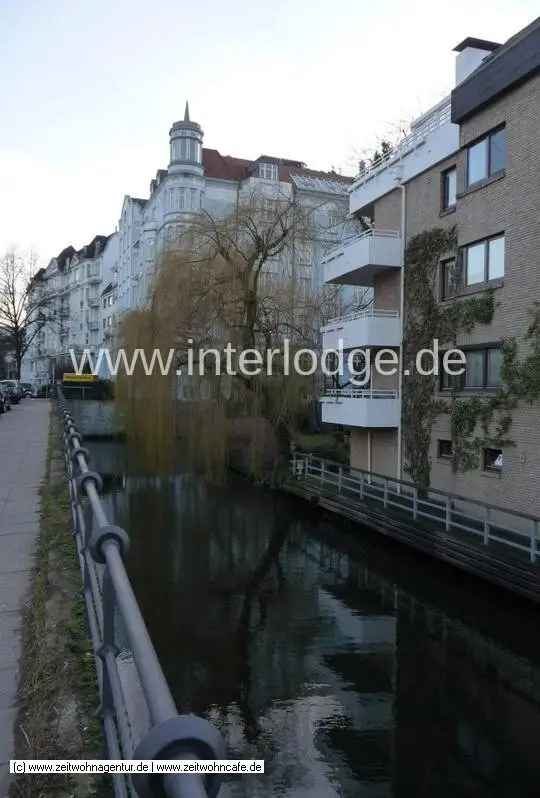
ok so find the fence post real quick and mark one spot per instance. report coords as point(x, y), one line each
point(534, 540)
point(448, 514)
point(415, 503)
point(486, 527)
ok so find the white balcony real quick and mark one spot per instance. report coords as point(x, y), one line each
point(354, 407)
point(433, 138)
point(357, 260)
point(372, 327)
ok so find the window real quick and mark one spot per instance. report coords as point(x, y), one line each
point(482, 370)
point(186, 149)
point(484, 261)
point(474, 369)
point(486, 157)
point(268, 171)
point(449, 188)
point(493, 368)
point(493, 460)
point(449, 278)
point(444, 449)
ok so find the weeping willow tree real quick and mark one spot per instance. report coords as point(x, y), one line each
point(225, 298)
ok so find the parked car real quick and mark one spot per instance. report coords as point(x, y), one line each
point(27, 389)
point(5, 400)
point(13, 389)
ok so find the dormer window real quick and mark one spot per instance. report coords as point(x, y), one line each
point(268, 171)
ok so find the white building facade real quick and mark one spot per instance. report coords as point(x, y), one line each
point(90, 289)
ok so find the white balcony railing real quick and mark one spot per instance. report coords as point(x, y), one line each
point(359, 258)
point(353, 315)
point(360, 393)
point(373, 327)
point(361, 407)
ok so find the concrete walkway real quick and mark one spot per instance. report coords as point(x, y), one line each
point(23, 449)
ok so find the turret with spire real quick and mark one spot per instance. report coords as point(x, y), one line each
point(185, 175)
point(186, 139)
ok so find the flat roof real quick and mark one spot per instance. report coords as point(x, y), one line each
point(478, 44)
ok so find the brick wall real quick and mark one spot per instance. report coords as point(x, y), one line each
point(510, 204)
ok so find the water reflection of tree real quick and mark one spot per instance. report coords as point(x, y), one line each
point(206, 567)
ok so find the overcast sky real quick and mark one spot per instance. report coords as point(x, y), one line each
point(89, 91)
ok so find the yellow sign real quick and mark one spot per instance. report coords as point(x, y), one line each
point(80, 378)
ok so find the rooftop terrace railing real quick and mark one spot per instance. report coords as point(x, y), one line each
point(490, 524)
point(441, 116)
point(110, 602)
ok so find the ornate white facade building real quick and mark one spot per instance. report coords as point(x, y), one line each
point(92, 287)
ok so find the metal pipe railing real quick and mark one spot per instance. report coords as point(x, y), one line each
point(171, 736)
point(451, 512)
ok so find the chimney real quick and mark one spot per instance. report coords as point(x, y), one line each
point(470, 54)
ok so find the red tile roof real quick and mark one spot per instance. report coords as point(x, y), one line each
point(226, 167)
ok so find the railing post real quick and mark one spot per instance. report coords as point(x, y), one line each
point(486, 526)
point(534, 539)
point(322, 472)
point(340, 478)
point(385, 494)
point(448, 514)
point(415, 503)
point(362, 485)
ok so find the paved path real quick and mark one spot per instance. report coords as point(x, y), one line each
point(23, 449)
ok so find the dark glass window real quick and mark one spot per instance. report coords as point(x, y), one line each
point(484, 260)
point(497, 151)
point(486, 157)
point(445, 449)
point(449, 188)
point(493, 369)
point(450, 382)
point(482, 370)
point(474, 368)
point(449, 278)
point(493, 460)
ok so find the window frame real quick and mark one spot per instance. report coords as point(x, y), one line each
point(492, 469)
point(489, 173)
point(465, 257)
point(443, 278)
point(461, 380)
point(440, 454)
point(264, 166)
point(445, 205)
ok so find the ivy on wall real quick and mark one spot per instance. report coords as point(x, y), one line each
point(475, 422)
point(426, 321)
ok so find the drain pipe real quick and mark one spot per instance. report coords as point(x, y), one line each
point(403, 188)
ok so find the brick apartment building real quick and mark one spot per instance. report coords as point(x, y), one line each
point(472, 162)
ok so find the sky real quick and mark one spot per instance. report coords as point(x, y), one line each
point(89, 90)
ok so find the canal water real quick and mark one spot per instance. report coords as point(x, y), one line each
point(351, 665)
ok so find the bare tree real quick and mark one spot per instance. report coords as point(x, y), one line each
point(24, 307)
point(244, 280)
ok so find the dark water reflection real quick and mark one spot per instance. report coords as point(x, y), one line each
point(353, 667)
